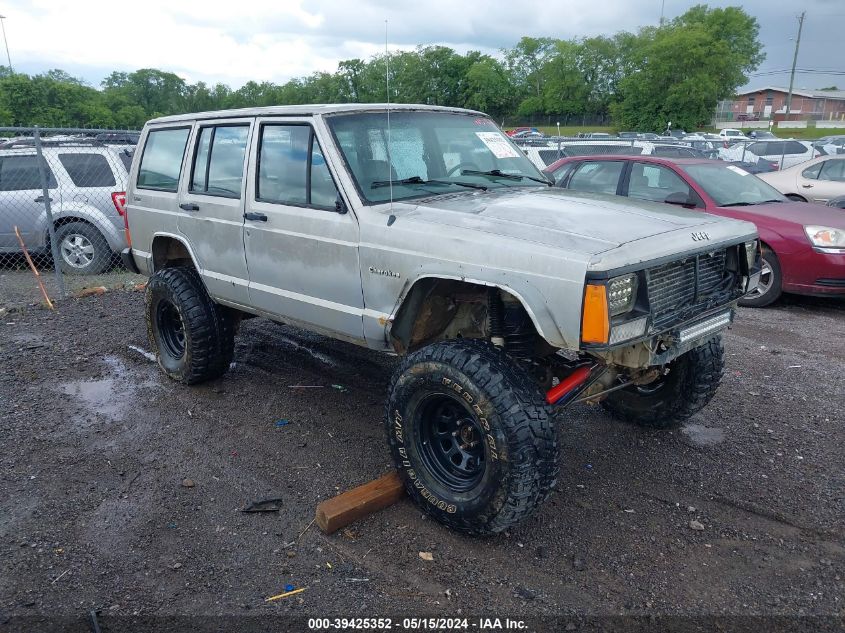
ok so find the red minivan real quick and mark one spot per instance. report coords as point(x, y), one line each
point(803, 244)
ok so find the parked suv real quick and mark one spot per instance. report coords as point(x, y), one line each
point(86, 183)
point(433, 237)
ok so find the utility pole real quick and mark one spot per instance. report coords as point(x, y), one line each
point(6, 41)
point(794, 62)
point(662, 6)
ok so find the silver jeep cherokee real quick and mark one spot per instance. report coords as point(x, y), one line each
point(425, 232)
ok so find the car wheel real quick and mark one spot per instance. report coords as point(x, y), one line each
point(796, 198)
point(471, 436)
point(193, 337)
point(770, 287)
point(82, 249)
point(690, 382)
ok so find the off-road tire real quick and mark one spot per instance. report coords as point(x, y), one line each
point(692, 381)
point(775, 289)
point(208, 329)
point(101, 254)
point(515, 430)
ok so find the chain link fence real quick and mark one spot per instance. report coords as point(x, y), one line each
point(62, 195)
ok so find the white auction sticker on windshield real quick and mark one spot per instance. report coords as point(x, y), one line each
point(497, 144)
point(738, 170)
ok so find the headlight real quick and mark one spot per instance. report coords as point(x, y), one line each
point(825, 237)
point(621, 294)
point(751, 249)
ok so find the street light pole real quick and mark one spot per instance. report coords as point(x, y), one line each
point(6, 41)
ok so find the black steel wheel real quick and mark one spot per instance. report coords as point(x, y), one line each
point(471, 436)
point(452, 442)
point(193, 337)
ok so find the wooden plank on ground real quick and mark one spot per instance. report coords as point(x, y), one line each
point(349, 506)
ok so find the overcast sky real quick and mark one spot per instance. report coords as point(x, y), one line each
point(275, 40)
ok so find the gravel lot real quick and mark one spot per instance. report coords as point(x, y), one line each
point(95, 513)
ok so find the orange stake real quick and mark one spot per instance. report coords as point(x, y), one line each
point(34, 269)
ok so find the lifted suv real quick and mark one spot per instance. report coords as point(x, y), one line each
point(433, 237)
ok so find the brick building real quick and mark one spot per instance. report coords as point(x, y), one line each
point(770, 103)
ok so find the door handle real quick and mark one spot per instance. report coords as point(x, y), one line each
point(256, 217)
point(806, 186)
point(41, 199)
point(189, 206)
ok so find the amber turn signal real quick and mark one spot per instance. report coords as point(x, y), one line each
point(595, 321)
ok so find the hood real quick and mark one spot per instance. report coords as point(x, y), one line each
point(803, 213)
point(580, 222)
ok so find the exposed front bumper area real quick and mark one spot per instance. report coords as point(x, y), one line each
point(663, 348)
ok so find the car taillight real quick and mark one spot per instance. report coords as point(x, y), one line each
point(119, 200)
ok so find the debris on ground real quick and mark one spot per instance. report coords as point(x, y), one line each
point(427, 556)
point(698, 526)
point(282, 422)
point(90, 292)
point(143, 352)
point(286, 594)
point(265, 505)
point(188, 483)
point(352, 505)
point(340, 388)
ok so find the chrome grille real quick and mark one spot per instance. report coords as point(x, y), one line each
point(673, 285)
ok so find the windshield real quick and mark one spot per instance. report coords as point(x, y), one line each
point(430, 153)
point(730, 186)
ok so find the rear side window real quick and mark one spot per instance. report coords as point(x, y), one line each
point(88, 170)
point(161, 162)
point(126, 159)
point(833, 170)
point(292, 168)
point(655, 182)
point(18, 173)
point(219, 161)
point(761, 149)
point(597, 176)
point(813, 171)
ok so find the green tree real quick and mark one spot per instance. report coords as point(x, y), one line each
point(679, 72)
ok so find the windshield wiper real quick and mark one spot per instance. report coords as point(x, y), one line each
point(416, 180)
point(498, 173)
point(749, 204)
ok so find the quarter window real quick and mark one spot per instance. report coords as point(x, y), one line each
point(88, 170)
point(219, 161)
point(161, 162)
point(18, 173)
point(812, 173)
point(292, 168)
point(597, 176)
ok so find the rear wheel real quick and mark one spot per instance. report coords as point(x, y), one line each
point(82, 249)
point(192, 336)
point(690, 382)
point(770, 287)
point(471, 436)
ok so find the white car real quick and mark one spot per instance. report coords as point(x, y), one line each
point(818, 180)
point(793, 152)
point(732, 134)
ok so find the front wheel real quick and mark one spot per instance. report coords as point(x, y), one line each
point(770, 287)
point(471, 436)
point(688, 384)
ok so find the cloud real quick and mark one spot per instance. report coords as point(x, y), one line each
point(276, 40)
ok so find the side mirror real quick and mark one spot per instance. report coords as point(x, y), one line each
point(681, 199)
point(340, 205)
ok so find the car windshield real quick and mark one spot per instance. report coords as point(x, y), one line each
point(430, 153)
point(731, 186)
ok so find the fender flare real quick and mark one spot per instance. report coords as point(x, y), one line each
point(543, 322)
